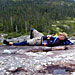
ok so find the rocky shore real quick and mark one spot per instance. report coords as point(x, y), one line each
point(37, 60)
point(23, 60)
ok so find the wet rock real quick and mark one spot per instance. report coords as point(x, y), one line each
point(59, 71)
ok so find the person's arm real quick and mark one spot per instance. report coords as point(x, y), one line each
point(68, 42)
point(49, 36)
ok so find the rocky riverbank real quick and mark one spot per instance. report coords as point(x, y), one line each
point(19, 60)
point(36, 60)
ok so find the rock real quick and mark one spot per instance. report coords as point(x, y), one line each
point(72, 38)
point(38, 67)
point(7, 73)
point(7, 52)
point(14, 69)
point(36, 63)
point(49, 53)
point(72, 73)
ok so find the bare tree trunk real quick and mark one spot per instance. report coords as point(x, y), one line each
point(26, 26)
point(16, 29)
point(11, 21)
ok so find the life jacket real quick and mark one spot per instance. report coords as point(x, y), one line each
point(54, 40)
point(44, 41)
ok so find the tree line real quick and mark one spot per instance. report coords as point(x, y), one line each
point(49, 16)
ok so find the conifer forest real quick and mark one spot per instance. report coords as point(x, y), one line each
point(47, 16)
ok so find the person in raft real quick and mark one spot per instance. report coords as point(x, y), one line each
point(38, 39)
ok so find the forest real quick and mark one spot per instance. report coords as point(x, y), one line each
point(47, 16)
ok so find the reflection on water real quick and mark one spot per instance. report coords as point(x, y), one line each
point(59, 71)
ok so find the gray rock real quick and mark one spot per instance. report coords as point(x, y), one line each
point(72, 38)
point(13, 69)
point(35, 63)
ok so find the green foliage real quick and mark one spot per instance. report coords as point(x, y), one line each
point(1, 43)
point(45, 33)
point(18, 16)
point(14, 34)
